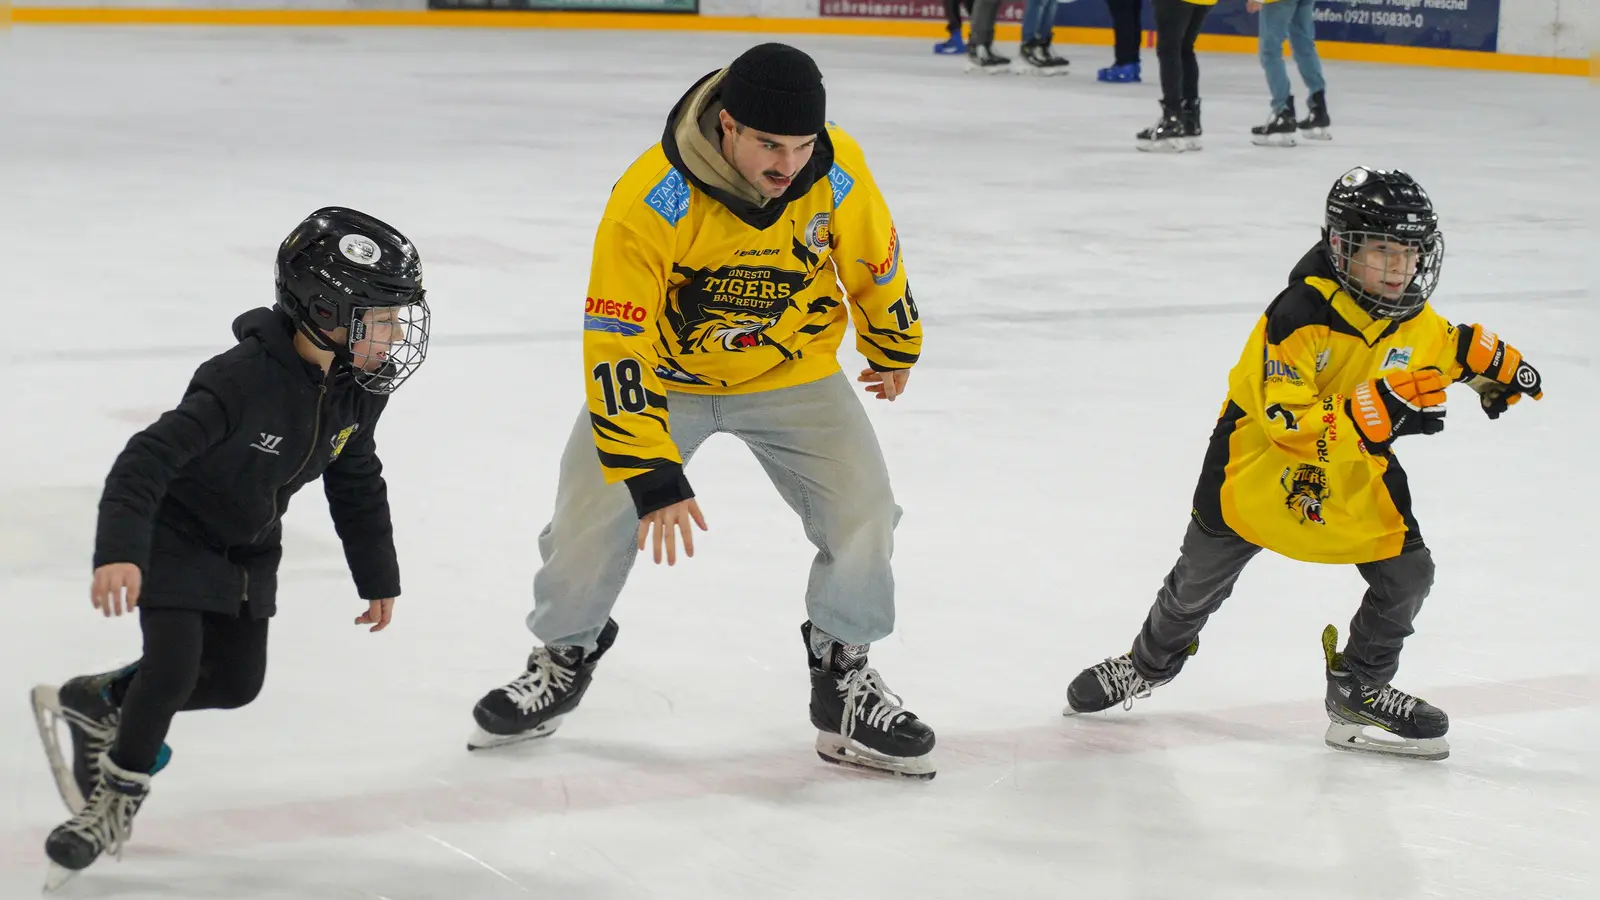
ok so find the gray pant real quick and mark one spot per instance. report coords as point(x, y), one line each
point(983, 16)
point(818, 447)
point(1210, 564)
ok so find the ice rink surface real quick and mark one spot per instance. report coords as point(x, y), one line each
point(1083, 304)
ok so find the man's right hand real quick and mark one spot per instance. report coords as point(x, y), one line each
point(116, 588)
point(666, 523)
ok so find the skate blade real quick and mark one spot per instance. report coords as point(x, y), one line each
point(1356, 738)
point(58, 876)
point(1316, 134)
point(842, 751)
point(1170, 145)
point(1022, 68)
point(973, 69)
point(46, 702)
point(1273, 140)
point(483, 740)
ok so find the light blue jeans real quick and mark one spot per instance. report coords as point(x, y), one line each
point(1038, 21)
point(1291, 20)
point(818, 447)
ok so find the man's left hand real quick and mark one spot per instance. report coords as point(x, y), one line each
point(885, 385)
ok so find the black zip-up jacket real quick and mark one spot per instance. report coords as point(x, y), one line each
point(196, 500)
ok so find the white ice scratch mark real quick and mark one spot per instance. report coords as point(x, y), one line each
point(454, 849)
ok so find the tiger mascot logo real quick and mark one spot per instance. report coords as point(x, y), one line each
point(1307, 489)
point(724, 330)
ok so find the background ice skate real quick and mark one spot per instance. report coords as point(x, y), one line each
point(1083, 304)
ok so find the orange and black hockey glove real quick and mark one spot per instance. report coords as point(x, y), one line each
point(1495, 370)
point(1398, 404)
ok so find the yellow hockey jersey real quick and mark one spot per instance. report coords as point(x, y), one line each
point(1287, 469)
point(700, 285)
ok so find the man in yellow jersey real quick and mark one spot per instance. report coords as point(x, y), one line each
point(1348, 359)
point(715, 305)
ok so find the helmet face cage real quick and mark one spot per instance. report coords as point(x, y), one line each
point(388, 343)
point(1426, 257)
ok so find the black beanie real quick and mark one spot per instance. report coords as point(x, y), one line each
point(777, 89)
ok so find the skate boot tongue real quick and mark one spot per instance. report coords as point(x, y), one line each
point(570, 657)
point(848, 658)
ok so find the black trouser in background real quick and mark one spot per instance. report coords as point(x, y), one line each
point(1204, 576)
point(1127, 29)
point(192, 660)
point(1177, 26)
point(952, 14)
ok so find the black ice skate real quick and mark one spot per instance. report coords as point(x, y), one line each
point(1189, 112)
point(103, 825)
point(1315, 126)
point(1279, 130)
point(85, 705)
point(1166, 136)
point(1106, 684)
point(1038, 59)
point(860, 723)
point(533, 704)
point(1404, 725)
point(982, 58)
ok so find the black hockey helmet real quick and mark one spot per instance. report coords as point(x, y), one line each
point(345, 269)
point(1371, 205)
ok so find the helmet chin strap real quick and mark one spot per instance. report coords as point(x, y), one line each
point(320, 339)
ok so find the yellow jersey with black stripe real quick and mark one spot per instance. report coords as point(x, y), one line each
point(686, 295)
point(1286, 469)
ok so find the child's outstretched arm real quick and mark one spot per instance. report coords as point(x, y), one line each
point(134, 489)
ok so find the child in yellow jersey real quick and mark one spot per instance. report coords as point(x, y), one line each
point(1348, 359)
point(728, 260)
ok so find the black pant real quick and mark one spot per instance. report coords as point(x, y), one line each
point(192, 660)
point(1126, 27)
point(1177, 28)
point(952, 14)
point(1210, 564)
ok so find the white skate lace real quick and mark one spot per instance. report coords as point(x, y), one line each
point(1394, 702)
point(106, 821)
point(859, 686)
point(1121, 681)
point(101, 734)
point(535, 688)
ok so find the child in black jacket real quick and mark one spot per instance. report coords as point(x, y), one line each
point(190, 521)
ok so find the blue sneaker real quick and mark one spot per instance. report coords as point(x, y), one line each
point(1125, 73)
point(950, 46)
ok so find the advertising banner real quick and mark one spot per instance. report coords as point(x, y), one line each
point(658, 6)
point(1454, 24)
